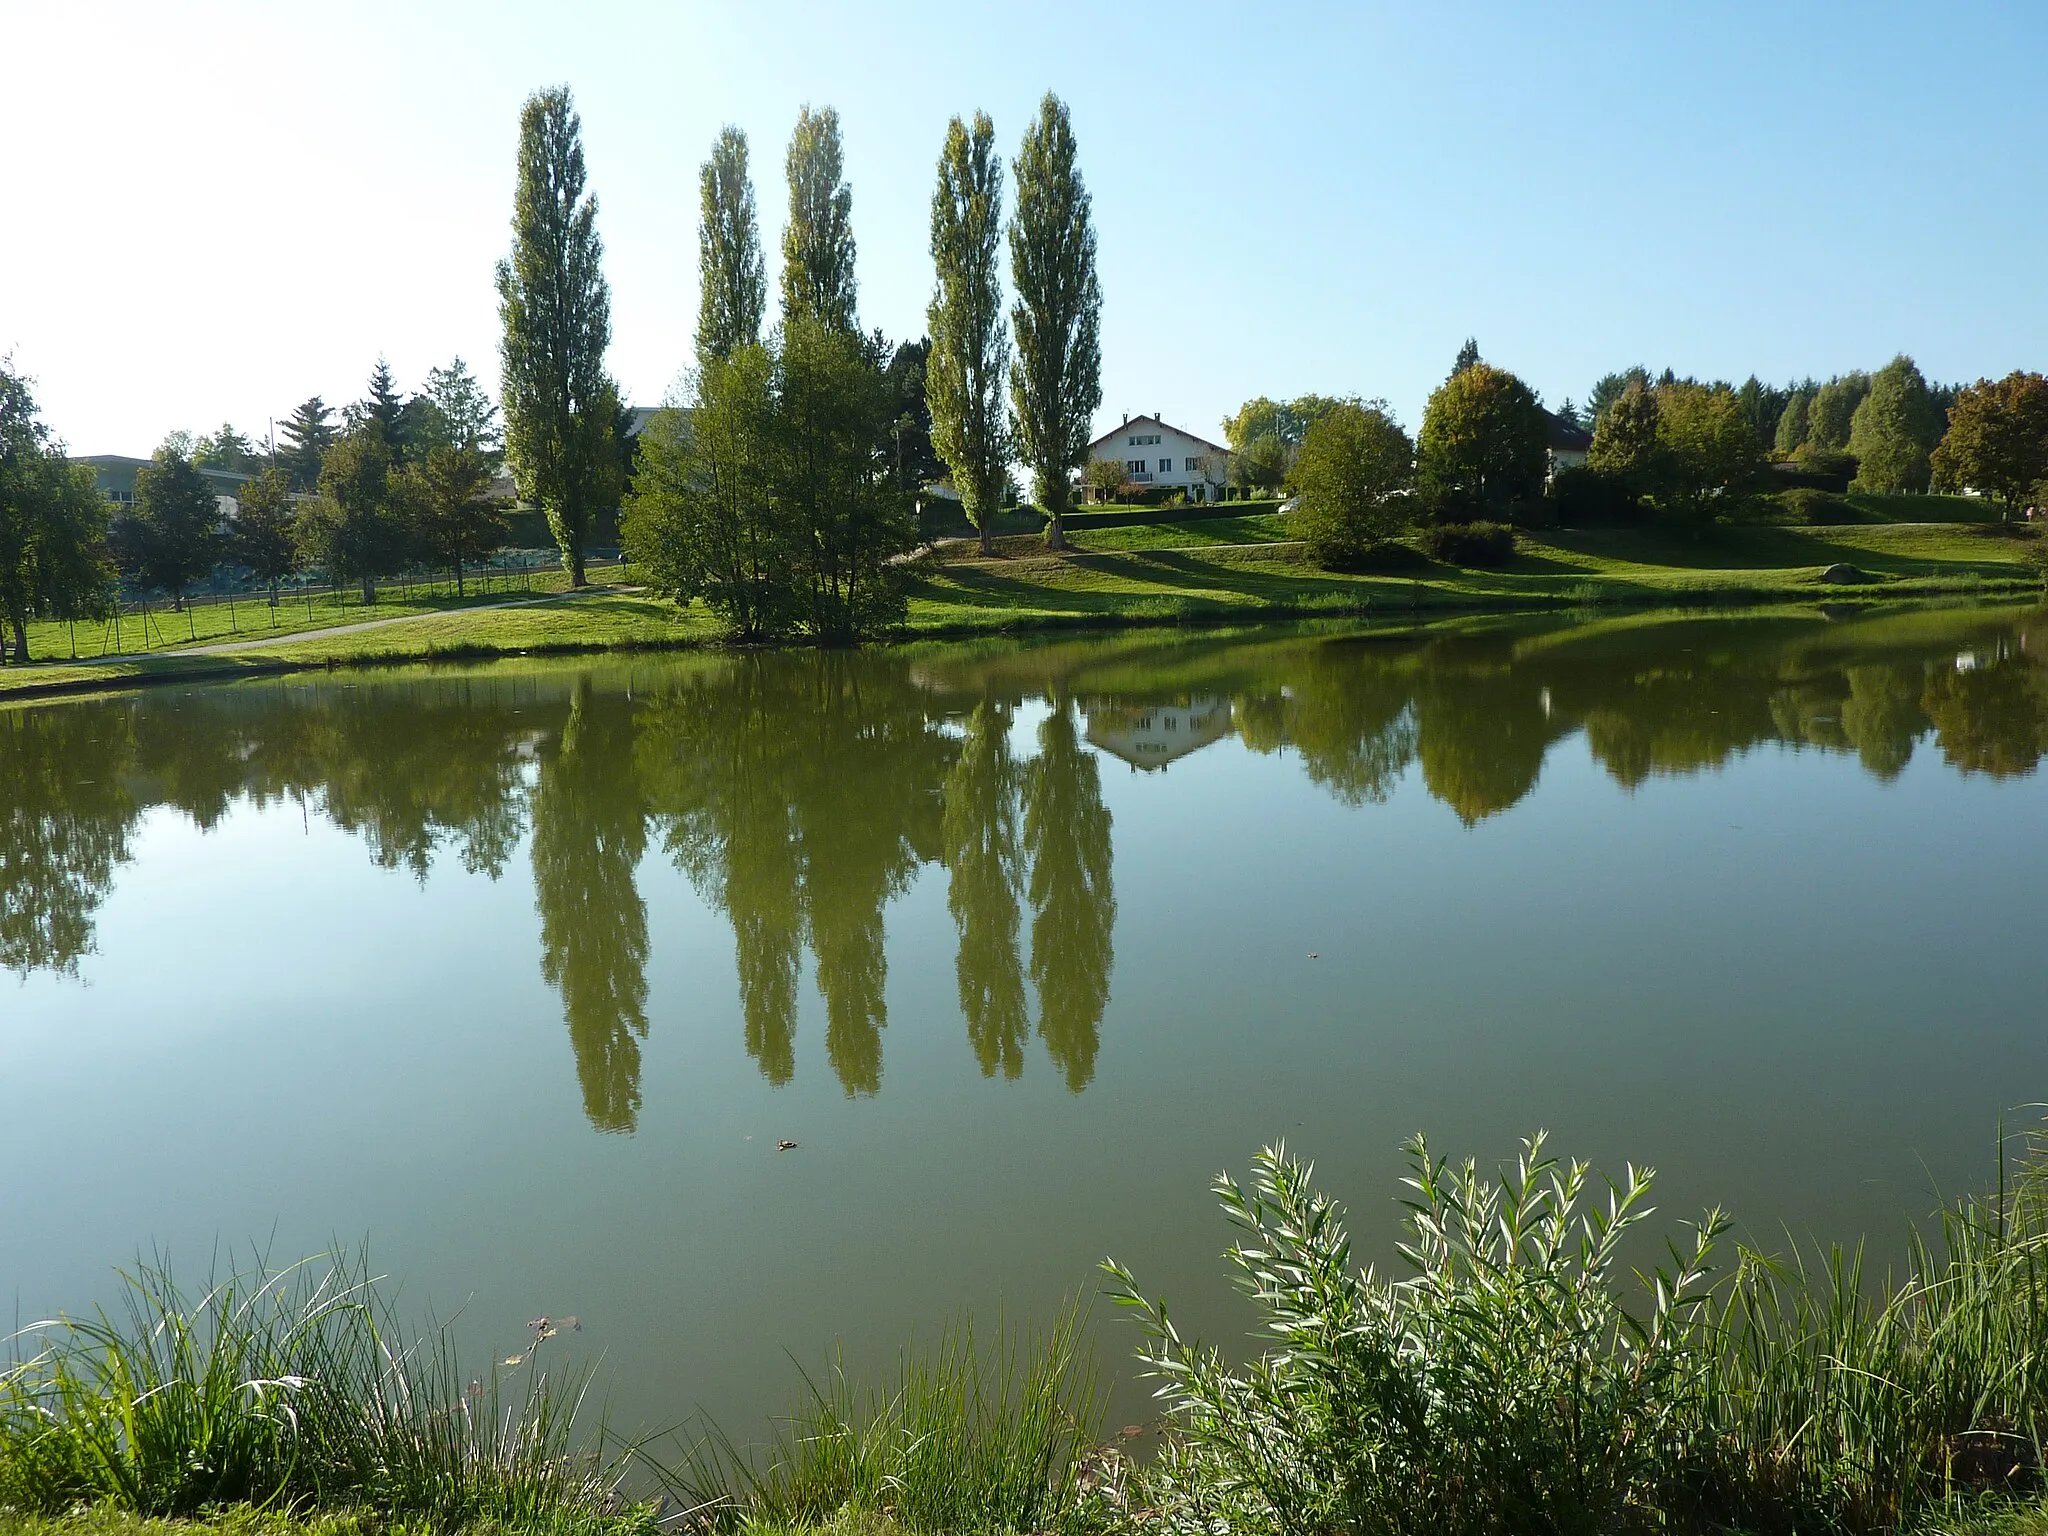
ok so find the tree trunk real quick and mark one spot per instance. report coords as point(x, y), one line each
point(20, 641)
point(369, 591)
point(988, 539)
point(1056, 530)
point(458, 578)
point(576, 568)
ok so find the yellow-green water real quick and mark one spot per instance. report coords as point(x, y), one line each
point(522, 972)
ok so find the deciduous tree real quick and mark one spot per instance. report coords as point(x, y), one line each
point(970, 352)
point(449, 509)
point(52, 523)
point(1895, 430)
point(1484, 446)
point(1706, 448)
point(352, 529)
point(1997, 440)
point(1833, 411)
point(265, 536)
point(561, 407)
point(817, 243)
point(1353, 475)
point(173, 537)
point(1056, 380)
point(733, 290)
point(1792, 421)
point(1625, 438)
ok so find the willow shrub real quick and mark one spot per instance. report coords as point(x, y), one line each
point(1513, 1382)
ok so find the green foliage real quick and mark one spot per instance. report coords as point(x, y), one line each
point(702, 519)
point(733, 290)
point(1791, 431)
point(1354, 473)
point(964, 1438)
point(561, 407)
point(287, 1388)
point(1483, 448)
point(1762, 408)
point(53, 524)
point(817, 243)
point(970, 353)
point(353, 530)
point(1469, 544)
point(1468, 356)
point(225, 449)
point(1833, 410)
point(264, 537)
point(1506, 1387)
point(380, 413)
point(913, 462)
point(308, 434)
point(773, 500)
point(449, 511)
point(1895, 430)
point(1056, 379)
point(173, 536)
point(1584, 497)
point(1817, 508)
point(457, 413)
point(1105, 478)
point(1287, 421)
point(1609, 388)
point(1706, 449)
point(1997, 441)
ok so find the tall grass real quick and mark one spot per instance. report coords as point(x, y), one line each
point(966, 1437)
point(287, 1388)
point(1513, 1382)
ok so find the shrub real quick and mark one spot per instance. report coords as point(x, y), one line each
point(1826, 469)
point(1816, 508)
point(1476, 544)
point(1591, 498)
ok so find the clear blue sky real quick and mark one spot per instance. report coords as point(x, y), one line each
point(219, 210)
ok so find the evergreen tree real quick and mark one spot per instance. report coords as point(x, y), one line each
point(308, 434)
point(380, 412)
point(1056, 379)
point(1895, 429)
point(1608, 388)
point(1761, 406)
point(912, 459)
point(225, 449)
point(817, 245)
point(734, 291)
point(561, 407)
point(1468, 356)
point(970, 353)
point(459, 414)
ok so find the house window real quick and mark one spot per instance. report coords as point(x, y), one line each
point(1135, 466)
point(1189, 466)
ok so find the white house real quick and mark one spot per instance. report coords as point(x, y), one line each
point(1569, 443)
point(1154, 454)
point(1153, 735)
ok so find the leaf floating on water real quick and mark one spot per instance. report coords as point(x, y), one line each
point(516, 1360)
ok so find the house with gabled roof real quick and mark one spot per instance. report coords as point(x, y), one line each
point(1156, 455)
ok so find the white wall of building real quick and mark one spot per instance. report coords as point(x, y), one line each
point(1154, 454)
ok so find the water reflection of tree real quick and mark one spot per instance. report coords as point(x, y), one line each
point(1482, 734)
point(1073, 896)
point(1989, 718)
point(589, 830)
point(1345, 712)
point(65, 815)
point(984, 855)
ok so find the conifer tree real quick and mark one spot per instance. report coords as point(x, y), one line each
point(733, 285)
point(1056, 380)
point(817, 245)
point(1468, 356)
point(970, 354)
point(308, 434)
point(380, 412)
point(561, 407)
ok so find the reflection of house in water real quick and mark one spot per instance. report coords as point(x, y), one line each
point(1152, 735)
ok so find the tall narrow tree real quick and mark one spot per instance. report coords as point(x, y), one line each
point(970, 356)
point(1056, 381)
point(734, 287)
point(308, 434)
point(380, 411)
point(817, 245)
point(561, 407)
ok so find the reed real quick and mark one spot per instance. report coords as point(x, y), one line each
point(291, 1388)
point(965, 1437)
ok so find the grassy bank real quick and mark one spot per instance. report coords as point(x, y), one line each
point(1235, 569)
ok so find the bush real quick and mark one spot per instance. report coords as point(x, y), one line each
point(1817, 508)
point(1824, 469)
point(1477, 544)
point(1588, 498)
point(1353, 472)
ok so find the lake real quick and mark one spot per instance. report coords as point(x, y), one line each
point(520, 973)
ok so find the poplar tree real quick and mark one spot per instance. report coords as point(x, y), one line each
point(970, 353)
point(817, 246)
point(1056, 380)
point(561, 408)
point(734, 287)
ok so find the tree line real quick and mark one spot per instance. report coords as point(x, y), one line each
point(1661, 447)
point(770, 491)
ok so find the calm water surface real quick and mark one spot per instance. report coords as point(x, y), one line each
point(522, 972)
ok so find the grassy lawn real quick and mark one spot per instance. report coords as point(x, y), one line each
point(1231, 569)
